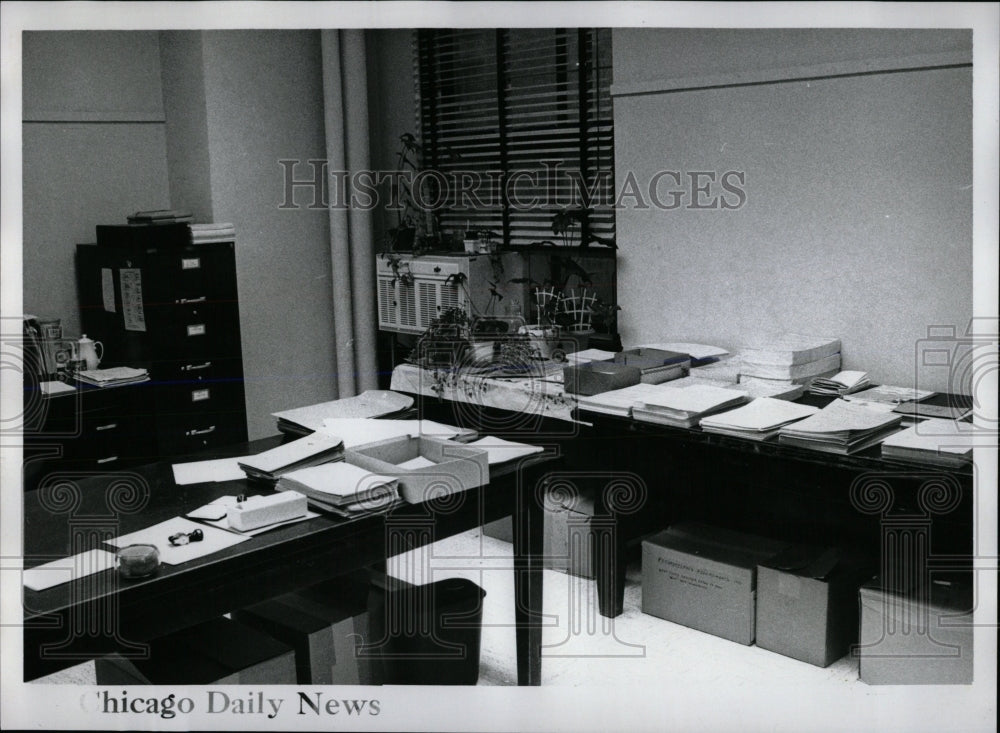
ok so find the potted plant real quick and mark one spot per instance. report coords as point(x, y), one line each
point(446, 341)
point(415, 228)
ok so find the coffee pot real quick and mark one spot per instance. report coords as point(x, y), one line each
point(91, 352)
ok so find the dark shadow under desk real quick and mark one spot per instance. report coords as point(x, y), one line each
point(98, 614)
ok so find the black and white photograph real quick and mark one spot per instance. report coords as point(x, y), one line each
point(501, 366)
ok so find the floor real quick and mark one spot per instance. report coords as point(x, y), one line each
point(633, 649)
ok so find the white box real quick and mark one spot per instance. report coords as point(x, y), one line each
point(453, 467)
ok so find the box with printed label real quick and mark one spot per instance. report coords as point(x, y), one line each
point(917, 636)
point(705, 578)
point(807, 602)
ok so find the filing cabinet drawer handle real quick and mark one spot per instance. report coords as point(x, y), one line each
point(109, 459)
point(185, 301)
point(109, 426)
point(206, 431)
point(195, 367)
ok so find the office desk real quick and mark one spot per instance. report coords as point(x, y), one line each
point(913, 517)
point(75, 621)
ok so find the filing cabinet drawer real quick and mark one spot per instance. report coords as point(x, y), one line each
point(188, 371)
point(183, 434)
point(197, 271)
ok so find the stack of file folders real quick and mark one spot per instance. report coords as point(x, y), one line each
point(309, 451)
point(113, 377)
point(207, 233)
point(370, 403)
point(792, 358)
point(842, 383)
point(758, 420)
point(684, 407)
point(841, 427)
point(343, 488)
point(937, 442)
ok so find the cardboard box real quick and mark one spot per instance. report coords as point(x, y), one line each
point(566, 539)
point(656, 366)
point(221, 651)
point(912, 638)
point(596, 377)
point(705, 578)
point(807, 603)
point(454, 468)
point(326, 626)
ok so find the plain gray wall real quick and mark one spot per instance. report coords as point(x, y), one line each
point(858, 213)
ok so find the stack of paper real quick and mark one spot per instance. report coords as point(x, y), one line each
point(207, 233)
point(792, 358)
point(841, 427)
point(588, 355)
point(371, 403)
point(938, 442)
point(343, 488)
point(309, 451)
point(684, 406)
point(159, 216)
point(759, 420)
point(620, 401)
point(889, 395)
point(112, 377)
point(955, 407)
point(753, 388)
point(842, 383)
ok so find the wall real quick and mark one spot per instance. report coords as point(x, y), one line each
point(858, 214)
point(94, 151)
point(264, 103)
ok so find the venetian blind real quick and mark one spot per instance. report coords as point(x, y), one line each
point(519, 124)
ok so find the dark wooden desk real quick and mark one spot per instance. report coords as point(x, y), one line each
point(910, 518)
point(72, 513)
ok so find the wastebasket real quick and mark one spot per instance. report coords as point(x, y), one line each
point(429, 634)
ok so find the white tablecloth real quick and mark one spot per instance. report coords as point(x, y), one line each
point(526, 395)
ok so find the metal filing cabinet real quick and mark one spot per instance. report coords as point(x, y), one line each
point(173, 308)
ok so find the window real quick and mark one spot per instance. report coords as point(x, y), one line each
point(519, 124)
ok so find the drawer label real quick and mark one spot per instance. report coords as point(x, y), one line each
point(198, 395)
point(196, 329)
point(132, 310)
point(190, 263)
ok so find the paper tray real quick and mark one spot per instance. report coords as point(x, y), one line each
point(456, 467)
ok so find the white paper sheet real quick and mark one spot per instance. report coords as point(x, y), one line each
point(158, 534)
point(499, 450)
point(418, 462)
point(66, 569)
point(55, 387)
point(219, 469)
point(695, 351)
point(357, 432)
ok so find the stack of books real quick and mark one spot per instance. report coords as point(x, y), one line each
point(937, 442)
point(791, 358)
point(684, 407)
point(207, 233)
point(842, 383)
point(309, 451)
point(113, 377)
point(159, 216)
point(758, 420)
point(343, 489)
point(841, 427)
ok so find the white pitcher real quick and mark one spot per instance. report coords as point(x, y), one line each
point(89, 352)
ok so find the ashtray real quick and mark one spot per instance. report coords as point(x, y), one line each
point(137, 561)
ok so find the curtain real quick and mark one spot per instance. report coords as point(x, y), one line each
point(352, 248)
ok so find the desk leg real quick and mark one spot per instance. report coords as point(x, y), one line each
point(527, 520)
point(607, 547)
